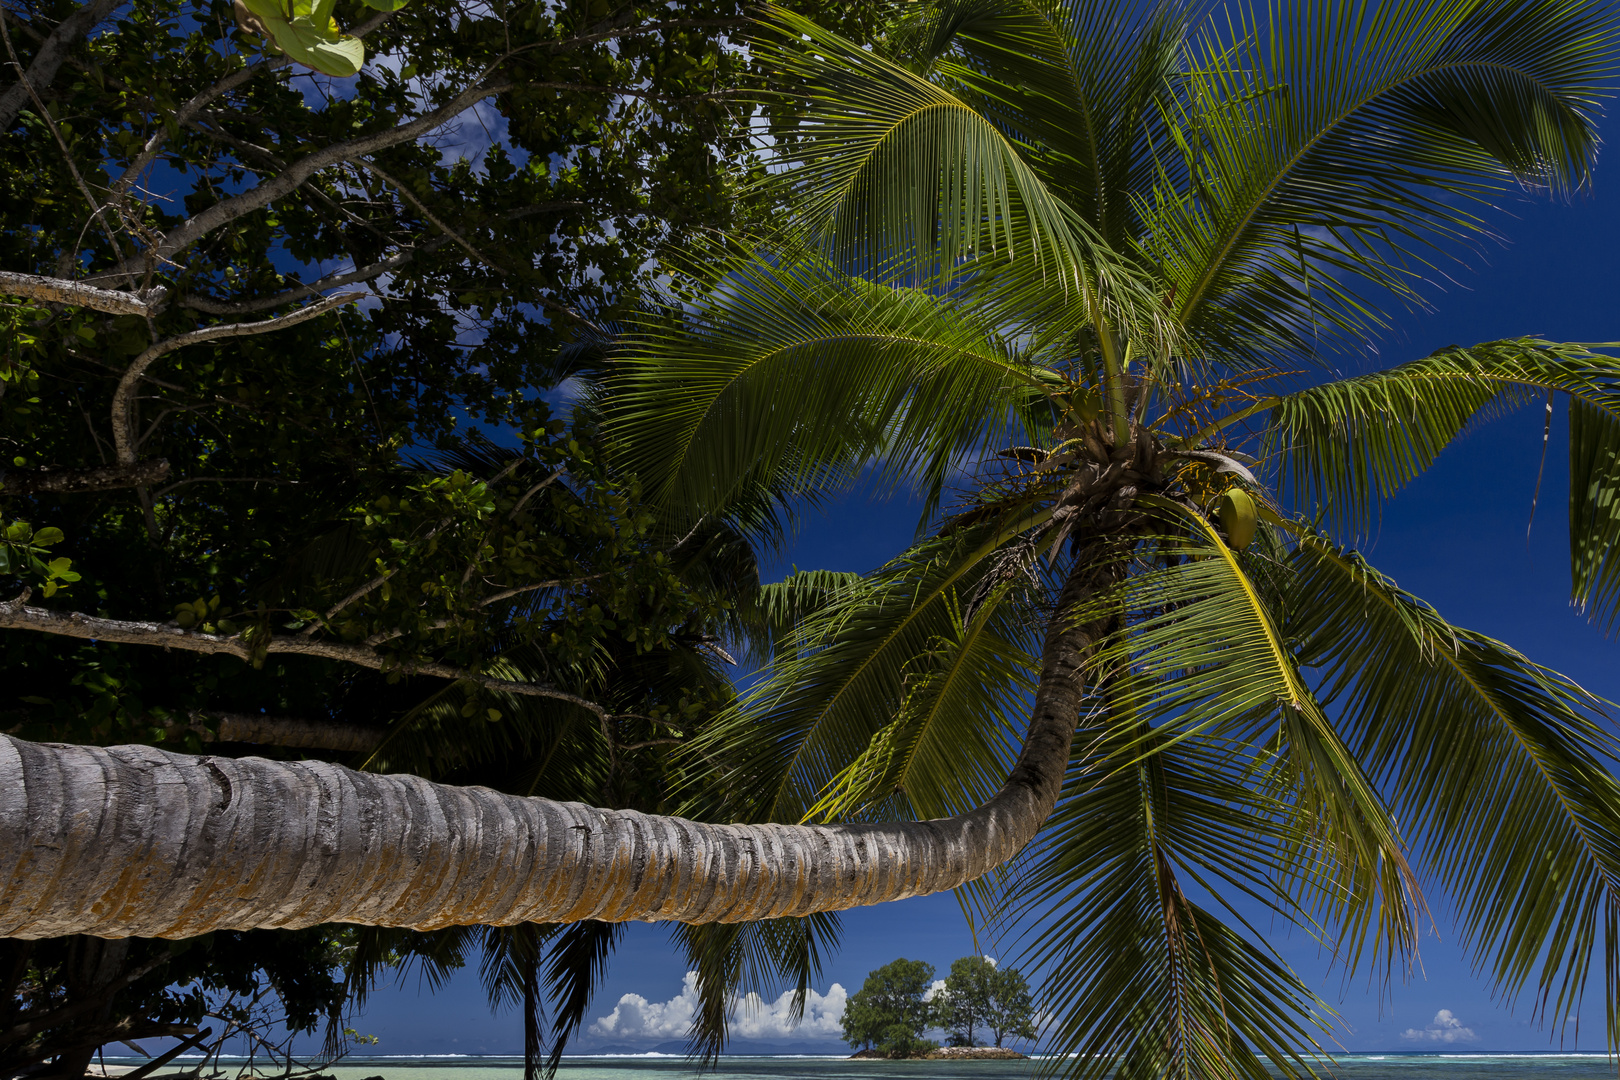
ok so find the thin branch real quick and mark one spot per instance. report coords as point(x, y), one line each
point(123, 407)
point(52, 290)
point(647, 28)
point(411, 198)
point(290, 179)
point(96, 207)
point(276, 481)
point(190, 109)
point(16, 615)
point(507, 593)
point(211, 306)
point(80, 481)
point(42, 70)
point(527, 495)
point(652, 742)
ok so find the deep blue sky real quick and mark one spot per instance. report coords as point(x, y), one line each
point(1456, 537)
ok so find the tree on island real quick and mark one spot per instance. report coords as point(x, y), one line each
point(962, 1005)
point(890, 1012)
point(981, 994)
point(1011, 1011)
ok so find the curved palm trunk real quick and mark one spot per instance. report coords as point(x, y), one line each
point(135, 841)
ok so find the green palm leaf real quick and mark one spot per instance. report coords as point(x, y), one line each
point(1352, 137)
point(870, 370)
point(1499, 764)
point(1343, 447)
point(1143, 982)
point(894, 176)
point(855, 666)
point(1092, 76)
point(1213, 662)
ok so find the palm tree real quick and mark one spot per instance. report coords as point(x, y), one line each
point(1087, 255)
point(1095, 240)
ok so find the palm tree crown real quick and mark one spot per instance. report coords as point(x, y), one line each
point(1087, 255)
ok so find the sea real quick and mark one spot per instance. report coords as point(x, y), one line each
point(1386, 1066)
point(1391, 1066)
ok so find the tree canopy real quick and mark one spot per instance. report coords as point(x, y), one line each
point(890, 1012)
point(280, 393)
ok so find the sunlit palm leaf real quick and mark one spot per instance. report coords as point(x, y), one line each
point(922, 751)
point(894, 176)
point(1499, 767)
point(818, 711)
point(1350, 137)
point(1214, 662)
point(1343, 447)
point(1091, 76)
point(1141, 981)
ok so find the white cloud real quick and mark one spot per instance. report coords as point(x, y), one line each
point(752, 1017)
point(1445, 1028)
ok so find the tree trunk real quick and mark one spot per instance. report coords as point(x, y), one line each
point(132, 840)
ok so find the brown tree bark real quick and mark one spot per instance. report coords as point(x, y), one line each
point(81, 481)
point(132, 840)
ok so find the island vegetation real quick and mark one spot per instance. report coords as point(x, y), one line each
point(978, 1006)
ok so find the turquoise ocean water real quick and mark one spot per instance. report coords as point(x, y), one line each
point(1392, 1066)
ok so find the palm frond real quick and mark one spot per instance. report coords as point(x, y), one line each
point(739, 964)
point(896, 178)
point(1214, 663)
point(1143, 982)
point(870, 371)
point(1500, 767)
point(1332, 147)
point(1090, 79)
point(1344, 446)
point(819, 709)
point(921, 752)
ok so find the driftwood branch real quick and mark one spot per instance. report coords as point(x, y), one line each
point(62, 291)
point(123, 407)
point(17, 615)
point(80, 481)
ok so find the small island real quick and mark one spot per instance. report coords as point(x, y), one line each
point(899, 1001)
point(947, 1053)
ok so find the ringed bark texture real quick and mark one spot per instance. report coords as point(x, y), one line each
point(134, 841)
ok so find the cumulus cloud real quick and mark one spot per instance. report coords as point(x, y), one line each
point(752, 1017)
point(1445, 1028)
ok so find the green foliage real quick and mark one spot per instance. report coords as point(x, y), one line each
point(245, 159)
point(1057, 255)
point(25, 553)
point(1011, 1012)
point(888, 1013)
point(962, 1006)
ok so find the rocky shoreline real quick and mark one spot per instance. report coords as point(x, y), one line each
point(948, 1053)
